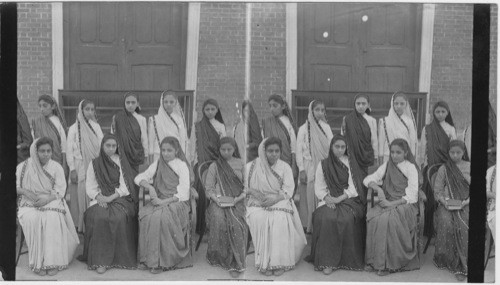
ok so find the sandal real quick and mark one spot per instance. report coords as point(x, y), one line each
point(278, 272)
point(52, 272)
point(42, 272)
point(101, 270)
point(327, 271)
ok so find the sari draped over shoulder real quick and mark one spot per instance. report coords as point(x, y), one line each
point(128, 133)
point(358, 136)
point(49, 230)
point(392, 233)
point(24, 138)
point(452, 227)
point(112, 232)
point(276, 230)
point(248, 133)
point(274, 127)
point(43, 127)
point(338, 235)
point(165, 230)
point(228, 234)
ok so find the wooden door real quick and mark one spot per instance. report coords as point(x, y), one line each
point(125, 46)
point(358, 47)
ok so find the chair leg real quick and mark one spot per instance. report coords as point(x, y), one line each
point(427, 244)
point(249, 243)
point(490, 245)
point(199, 240)
point(19, 252)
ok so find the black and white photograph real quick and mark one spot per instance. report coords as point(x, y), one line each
point(248, 141)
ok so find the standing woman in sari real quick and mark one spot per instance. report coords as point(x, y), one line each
point(452, 225)
point(205, 141)
point(360, 131)
point(434, 147)
point(169, 122)
point(43, 212)
point(339, 222)
point(84, 140)
point(165, 231)
point(271, 214)
point(492, 138)
point(313, 139)
point(24, 137)
point(228, 234)
point(130, 129)
point(399, 123)
point(50, 123)
point(280, 125)
point(391, 237)
point(111, 220)
point(247, 132)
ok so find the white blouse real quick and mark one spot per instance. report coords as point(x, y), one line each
point(283, 169)
point(303, 149)
point(219, 128)
point(154, 145)
point(179, 167)
point(372, 122)
point(73, 146)
point(448, 129)
point(321, 188)
point(144, 131)
point(92, 185)
point(383, 145)
point(408, 169)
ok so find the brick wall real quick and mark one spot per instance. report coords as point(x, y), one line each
point(452, 60)
point(221, 57)
point(34, 54)
point(493, 55)
point(268, 50)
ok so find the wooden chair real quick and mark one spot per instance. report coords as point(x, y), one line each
point(431, 177)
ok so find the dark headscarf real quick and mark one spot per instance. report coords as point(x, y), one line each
point(278, 98)
point(107, 172)
point(437, 139)
point(254, 137)
point(459, 186)
point(207, 138)
point(231, 185)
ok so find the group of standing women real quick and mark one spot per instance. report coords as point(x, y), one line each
point(246, 190)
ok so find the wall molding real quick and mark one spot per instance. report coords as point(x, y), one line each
point(425, 74)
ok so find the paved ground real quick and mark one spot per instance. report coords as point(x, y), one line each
point(202, 271)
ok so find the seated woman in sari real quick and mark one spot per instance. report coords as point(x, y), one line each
point(313, 139)
point(247, 133)
point(391, 237)
point(339, 221)
point(271, 214)
point(24, 137)
point(43, 212)
point(111, 219)
point(165, 230)
point(228, 234)
point(452, 223)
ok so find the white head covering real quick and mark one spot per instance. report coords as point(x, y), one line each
point(165, 129)
point(403, 126)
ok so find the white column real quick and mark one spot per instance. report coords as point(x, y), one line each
point(57, 49)
point(291, 50)
point(248, 50)
point(193, 39)
point(424, 82)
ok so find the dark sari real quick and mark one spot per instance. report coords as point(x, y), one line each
point(338, 234)
point(492, 137)
point(452, 227)
point(24, 138)
point(228, 235)
point(358, 136)
point(273, 127)
point(254, 134)
point(111, 233)
point(43, 127)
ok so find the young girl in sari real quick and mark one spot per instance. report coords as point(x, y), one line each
point(50, 123)
point(391, 238)
point(24, 137)
point(205, 140)
point(313, 140)
point(228, 234)
point(452, 225)
point(360, 131)
point(399, 123)
point(130, 129)
point(111, 219)
point(165, 231)
point(84, 140)
point(280, 125)
point(247, 132)
point(43, 212)
point(271, 214)
point(434, 147)
point(339, 221)
point(169, 122)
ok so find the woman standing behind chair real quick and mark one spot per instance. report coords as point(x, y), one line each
point(228, 234)
point(50, 123)
point(339, 221)
point(111, 219)
point(247, 132)
point(360, 131)
point(130, 129)
point(392, 226)
point(399, 123)
point(165, 231)
point(313, 139)
point(24, 137)
point(452, 224)
point(84, 140)
point(280, 125)
point(169, 122)
point(43, 212)
point(271, 214)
